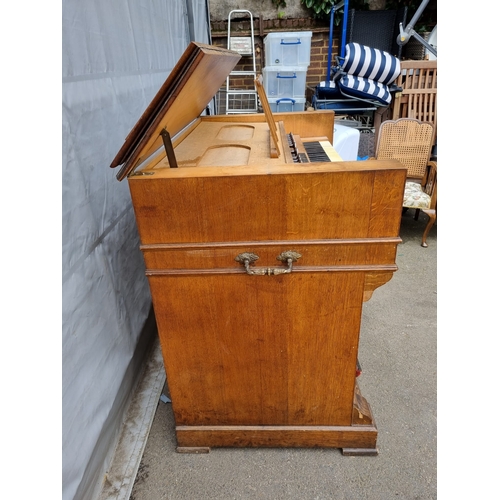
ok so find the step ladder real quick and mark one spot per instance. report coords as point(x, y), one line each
point(241, 100)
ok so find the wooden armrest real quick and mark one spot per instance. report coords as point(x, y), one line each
point(431, 166)
point(430, 185)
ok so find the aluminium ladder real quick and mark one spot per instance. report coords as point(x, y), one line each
point(241, 100)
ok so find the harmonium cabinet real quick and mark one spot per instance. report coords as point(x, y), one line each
point(259, 255)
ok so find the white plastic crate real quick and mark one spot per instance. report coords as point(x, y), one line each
point(285, 81)
point(286, 104)
point(346, 141)
point(288, 49)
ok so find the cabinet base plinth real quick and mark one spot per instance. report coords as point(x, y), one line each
point(362, 439)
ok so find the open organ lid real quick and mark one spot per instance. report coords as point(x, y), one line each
point(192, 83)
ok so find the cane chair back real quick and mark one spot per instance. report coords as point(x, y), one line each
point(409, 141)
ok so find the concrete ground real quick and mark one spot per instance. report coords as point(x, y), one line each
point(399, 359)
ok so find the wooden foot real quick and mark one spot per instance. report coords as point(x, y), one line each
point(358, 452)
point(193, 449)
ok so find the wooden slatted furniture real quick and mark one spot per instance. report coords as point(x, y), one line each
point(258, 266)
point(418, 98)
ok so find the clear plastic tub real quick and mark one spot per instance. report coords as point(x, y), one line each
point(286, 104)
point(288, 49)
point(285, 81)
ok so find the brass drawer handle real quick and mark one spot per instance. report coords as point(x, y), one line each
point(248, 258)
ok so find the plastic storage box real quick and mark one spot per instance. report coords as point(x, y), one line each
point(286, 104)
point(346, 142)
point(285, 81)
point(288, 49)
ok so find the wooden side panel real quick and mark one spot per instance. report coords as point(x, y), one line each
point(323, 347)
point(327, 205)
point(260, 350)
point(387, 202)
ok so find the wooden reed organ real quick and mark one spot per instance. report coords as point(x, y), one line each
point(259, 259)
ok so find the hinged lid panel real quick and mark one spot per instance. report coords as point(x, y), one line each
point(194, 80)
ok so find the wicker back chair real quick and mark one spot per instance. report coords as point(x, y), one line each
point(410, 141)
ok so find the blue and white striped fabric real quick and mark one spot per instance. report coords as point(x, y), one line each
point(365, 88)
point(328, 91)
point(373, 64)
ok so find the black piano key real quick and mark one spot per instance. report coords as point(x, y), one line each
point(315, 152)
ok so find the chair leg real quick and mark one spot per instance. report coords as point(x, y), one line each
point(417, 213)
point(432, 218)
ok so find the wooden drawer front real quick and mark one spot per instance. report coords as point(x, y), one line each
point(325, 255)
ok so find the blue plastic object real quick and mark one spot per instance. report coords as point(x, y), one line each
point(344, 29)
point(345, 3)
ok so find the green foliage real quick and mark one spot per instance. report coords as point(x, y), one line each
point(321, 8)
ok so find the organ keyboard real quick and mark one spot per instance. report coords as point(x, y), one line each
point(311, 151)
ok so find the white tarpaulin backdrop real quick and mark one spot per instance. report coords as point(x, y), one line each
point(116, 55)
